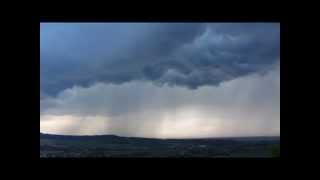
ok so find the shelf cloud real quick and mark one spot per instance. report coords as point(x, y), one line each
point(160, 79)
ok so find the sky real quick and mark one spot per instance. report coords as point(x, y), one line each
point(160, 80)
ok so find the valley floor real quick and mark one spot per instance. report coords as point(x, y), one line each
point(114, 146)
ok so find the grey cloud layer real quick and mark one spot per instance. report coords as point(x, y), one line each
point(249, 105)
point(102, 79)
point(183, 54)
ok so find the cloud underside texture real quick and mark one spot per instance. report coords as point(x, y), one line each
point(182, 54)
point(160, 80)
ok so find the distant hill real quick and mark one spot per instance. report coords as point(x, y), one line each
point(245, 138)
point(54, 136)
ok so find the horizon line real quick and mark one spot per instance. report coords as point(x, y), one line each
point(220, 137)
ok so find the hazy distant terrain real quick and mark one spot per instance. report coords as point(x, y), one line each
point(115, 146)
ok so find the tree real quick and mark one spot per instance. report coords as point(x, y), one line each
point(275, 151)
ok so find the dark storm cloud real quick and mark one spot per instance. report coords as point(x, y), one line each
point(223, 52)
point(183, 54)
